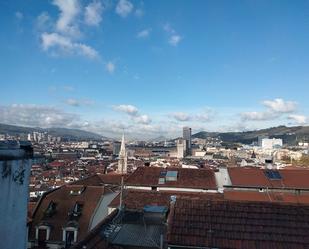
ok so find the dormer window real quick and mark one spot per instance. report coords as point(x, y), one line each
point(76, 210)
point(51, 209)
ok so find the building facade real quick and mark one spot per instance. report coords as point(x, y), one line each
point(15, 165)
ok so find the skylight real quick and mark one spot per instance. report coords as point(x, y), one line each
point(171, 175)
point(273, 174)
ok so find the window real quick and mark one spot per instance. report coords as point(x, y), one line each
point(171, 175)
point(273, 174)
point(161, 180)
point(51, 209)
point(69, 238)
point(76, 210)
point(69, 235)
point(42, 233)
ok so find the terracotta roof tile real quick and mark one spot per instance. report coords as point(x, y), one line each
point(280, 197)
point(255, 177)
point(238, 225)
point(187, 178)
point(65, 201)
point(137, 199)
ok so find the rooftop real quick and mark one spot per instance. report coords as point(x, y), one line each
point(172, 177)
point(255, 177)
point(235, 225)
point(61, 206)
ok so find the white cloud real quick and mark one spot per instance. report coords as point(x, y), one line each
point(143, 33)
point(128, 109)
point(63, 45)
point(19, 15)
point(204, 116)
point(280, 105)
point(110, 67)
point(259, 116)
point(73, 102)
point(134, 114)
point(142, 119)
point(274, 109)
point(67, 22)
point(93, 13)
point(43, 21)
point(35, 115)
point(124, 8)
point(181, 116)
point(299, 119)
point(174, 40)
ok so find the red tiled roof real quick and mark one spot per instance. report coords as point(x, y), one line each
point(255, 177)
point(56, 164)
point(238, 225)
point(65, 202)
point(281, 197)
point(134, 199)
point(187, 178)
point(100, 179)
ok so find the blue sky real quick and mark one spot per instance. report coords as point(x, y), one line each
point(151, 67)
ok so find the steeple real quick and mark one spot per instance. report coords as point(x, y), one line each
point(122, 161)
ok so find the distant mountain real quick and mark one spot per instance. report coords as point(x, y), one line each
point(289, 135)
point(64, 133)
point(158, 139)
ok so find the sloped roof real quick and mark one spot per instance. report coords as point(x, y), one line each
point(100, 180)
point(65, 201)
point(238, 225)
point(135, 199)
point(186, 178)
point(255, 177)
point(267, 196)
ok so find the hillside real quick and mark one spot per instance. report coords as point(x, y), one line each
point(290, 135)
point(64, 133)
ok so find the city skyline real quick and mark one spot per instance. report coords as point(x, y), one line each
point(151, 68)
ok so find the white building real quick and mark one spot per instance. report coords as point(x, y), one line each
point(15, 165)
point(181, 148)
point(271, 143)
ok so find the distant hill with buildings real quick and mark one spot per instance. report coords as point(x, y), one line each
point(289, 135)
point(64, 133)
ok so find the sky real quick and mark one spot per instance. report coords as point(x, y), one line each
point(148, 68)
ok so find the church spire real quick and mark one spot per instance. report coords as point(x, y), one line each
point(122, 161)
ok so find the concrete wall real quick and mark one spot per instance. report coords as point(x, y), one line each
point(14, 182)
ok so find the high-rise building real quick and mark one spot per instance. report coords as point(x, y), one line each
point(122, 161)
point(116, 147)
point(187, 137)
point(15, 165)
